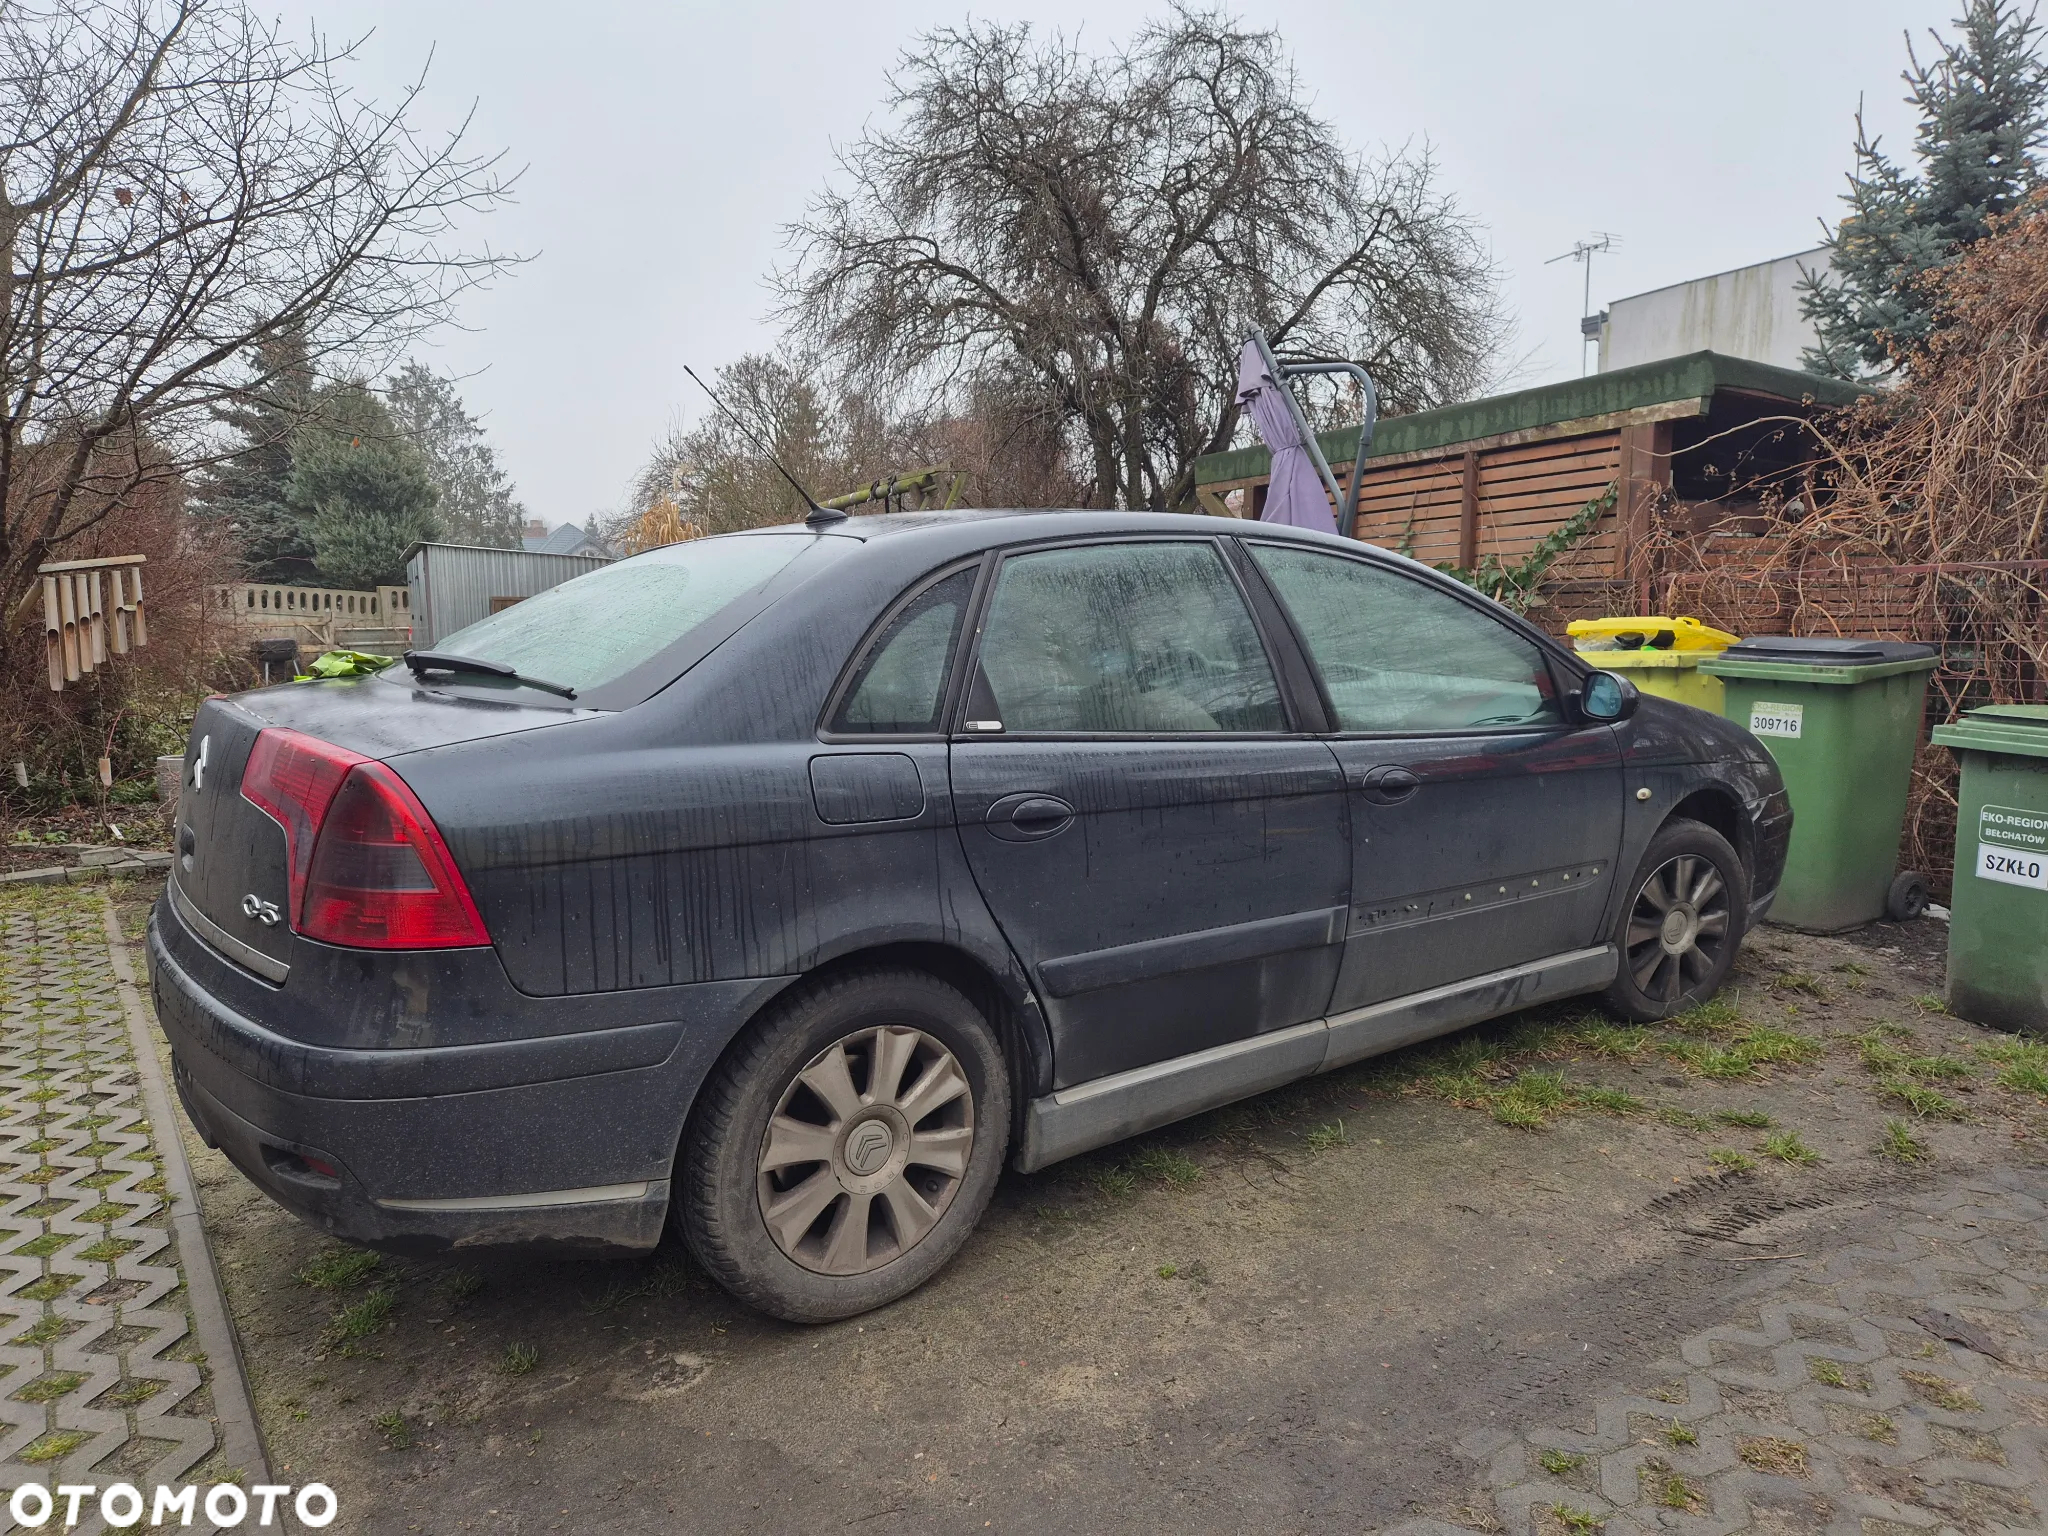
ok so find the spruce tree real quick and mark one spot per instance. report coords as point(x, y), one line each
point(360, 489)
point(1983, 103)
point(249, 487)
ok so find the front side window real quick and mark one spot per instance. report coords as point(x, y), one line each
point(902, 684)
point(1123, 639)
point(1397, 655)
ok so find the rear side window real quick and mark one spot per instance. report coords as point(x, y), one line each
point(902, 684)
point(1124, 638)
point(1397, 655)
point(598, 627)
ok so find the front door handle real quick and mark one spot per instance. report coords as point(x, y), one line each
point(1028, 817)
point(1388, 784)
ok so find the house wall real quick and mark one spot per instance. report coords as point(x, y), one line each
point(1751, 312)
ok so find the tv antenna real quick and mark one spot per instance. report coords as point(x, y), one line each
point(1583, 251)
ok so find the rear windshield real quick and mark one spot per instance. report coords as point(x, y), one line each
point(598, 627)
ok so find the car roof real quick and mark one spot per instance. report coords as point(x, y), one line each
point(1022, 525)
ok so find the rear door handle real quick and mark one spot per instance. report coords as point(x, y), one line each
point(1388, 784)
point(1028, 817)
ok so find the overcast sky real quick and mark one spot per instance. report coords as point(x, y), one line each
point(667, 144)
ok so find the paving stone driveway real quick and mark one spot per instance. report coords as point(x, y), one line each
point(1900, 1385)
point(105, 1377)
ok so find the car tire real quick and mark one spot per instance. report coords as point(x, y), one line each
point(904, 1168)
point(1684, 918)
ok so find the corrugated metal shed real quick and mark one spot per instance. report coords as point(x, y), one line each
point(454, 585)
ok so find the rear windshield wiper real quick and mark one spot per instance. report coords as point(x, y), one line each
point(423, 662)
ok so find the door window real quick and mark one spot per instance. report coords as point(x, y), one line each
point(1397, 655)
point(1123, 639)
point(902, 685)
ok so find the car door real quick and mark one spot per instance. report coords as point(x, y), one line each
point(1164, 851)
point(1485, 817)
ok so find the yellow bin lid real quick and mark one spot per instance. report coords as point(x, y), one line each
point(1647, 634)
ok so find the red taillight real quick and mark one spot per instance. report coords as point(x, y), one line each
point(369, 868)
point(293, 780)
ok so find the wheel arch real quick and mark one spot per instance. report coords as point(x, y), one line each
point(1717, 806)
point(1010, 1009)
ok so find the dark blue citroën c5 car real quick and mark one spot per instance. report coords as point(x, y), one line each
point(780, 887)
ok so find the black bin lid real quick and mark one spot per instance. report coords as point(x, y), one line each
point(1827, 650)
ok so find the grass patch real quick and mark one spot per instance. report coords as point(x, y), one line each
point(54, 1446)
point(518, 1359)
point(1113, 1183)
point(42, 1247)
point(1616, 1042)
point(1681, 1119)
point(1924, 1102)
point(46, 1330)
point(1787, 1147)
point(1167, 1166)
point(363, 1318)
point(1611, 1101)
point(1675, 1492)
point(1578, 1522)
point(395, 1428)
point(1829, 1373)
point(2022, 1064)
point(1941, 1392)
point(1712, 1061)
point(339, 1268)
point(1899, 1143)
point(1798, 981)
point(1728, 1160)
point(1768, 1046)
point(108, 1249)
point(1712, 1017)
point(1927, 1002)
point(1558, 1463)
point(130, 1394)
point(47, 1389)
point(1753, 1119)
point(1323, 1138)
point(462, 1284)
point(1878, 1427)
point(1767, 1453)
point(1167, 1271)
point(1681, 1434)
point(49, 1288)
point(1532, 1100)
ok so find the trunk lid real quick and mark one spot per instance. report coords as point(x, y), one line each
point(231, 871)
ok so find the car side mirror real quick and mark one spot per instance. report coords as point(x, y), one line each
point(1607, 698)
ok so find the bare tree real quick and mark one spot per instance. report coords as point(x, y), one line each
point(179, 186)
point(1109, 228)
point(713, 477)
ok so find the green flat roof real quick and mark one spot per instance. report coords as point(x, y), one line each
point(1692, 377)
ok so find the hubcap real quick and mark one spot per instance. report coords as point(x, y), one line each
point(865, 1150)
point(1677, 927)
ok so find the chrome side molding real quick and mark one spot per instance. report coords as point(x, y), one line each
point(1091, 1115)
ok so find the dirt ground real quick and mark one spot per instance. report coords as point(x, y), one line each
point(1286, 1315)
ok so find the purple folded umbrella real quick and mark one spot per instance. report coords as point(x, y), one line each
point(1295, 495)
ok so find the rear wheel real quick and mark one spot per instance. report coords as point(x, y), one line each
point(847, 1146)
point(1687, 908)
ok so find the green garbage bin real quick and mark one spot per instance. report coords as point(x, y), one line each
point(1842, 718)
point(1998, 917)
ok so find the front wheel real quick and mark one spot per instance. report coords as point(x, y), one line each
point(1687, 908)
point(847, 1145)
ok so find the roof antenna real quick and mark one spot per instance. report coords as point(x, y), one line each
point(819, 517)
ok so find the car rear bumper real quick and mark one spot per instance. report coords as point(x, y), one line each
point(565, 1144)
